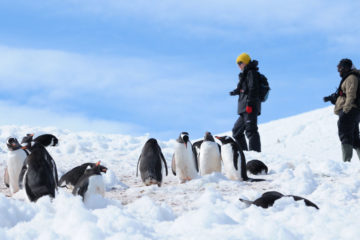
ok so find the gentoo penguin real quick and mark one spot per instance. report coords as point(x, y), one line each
point(209, 156)
point(234, 160)
point(149, 163)
point(184, 161)
point(268, 198)
point(15, 162)
point(39, 179)
point(90, 183)
point(256, 167)
point(45, 140)
point(70, 178)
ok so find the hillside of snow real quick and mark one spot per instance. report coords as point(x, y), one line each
point(303, 155)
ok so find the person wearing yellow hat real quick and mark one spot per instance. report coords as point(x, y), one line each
point(249, 104)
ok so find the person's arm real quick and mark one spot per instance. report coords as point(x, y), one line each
point(351, 85)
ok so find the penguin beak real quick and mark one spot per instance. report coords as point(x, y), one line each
point(217, 137)
point(98, 163)
point(104, 170)
point(24, 147)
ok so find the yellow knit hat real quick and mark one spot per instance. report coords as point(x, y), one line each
point(244, 58)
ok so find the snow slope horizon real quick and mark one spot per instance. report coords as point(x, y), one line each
point(302, 153)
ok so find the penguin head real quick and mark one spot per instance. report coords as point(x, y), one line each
point(184, 138)
point(225, 139)
point(94, 170)
point(26, 141)
point(101, 167)
point(13, 144)
point(209, 137)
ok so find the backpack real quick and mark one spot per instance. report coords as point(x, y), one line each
point(264, 88)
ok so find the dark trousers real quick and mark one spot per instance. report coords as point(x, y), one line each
point(247, 123)
point(348, 127)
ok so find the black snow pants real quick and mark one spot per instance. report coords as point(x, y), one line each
point(348, 127)
point(247, 123)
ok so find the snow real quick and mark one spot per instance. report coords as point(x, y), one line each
point(303, 155)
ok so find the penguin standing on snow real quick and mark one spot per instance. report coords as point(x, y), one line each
point(184, 162)
point(256, 167)
point(149, 163)
point(90, 183)
point(70, 178)
point(234, 160)
point(44, 140)
point(15, 162)
point(268, 198)
point(209, 156)
point(39, 179)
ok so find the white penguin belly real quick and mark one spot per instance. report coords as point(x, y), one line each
point(96, 186)
point(185, 162)
point(210, 160)
point(227, 156)
point(15, 162)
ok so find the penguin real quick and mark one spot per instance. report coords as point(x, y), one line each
point(39, 179)
point(149, 163)
point(256, 167)
point(44, 140)
point(196, 146)
point(15, 162)
point(184, 161)
point(209, 155)
point(90, 183)
point(70, 178)
point(234, 160)
point(268, 198)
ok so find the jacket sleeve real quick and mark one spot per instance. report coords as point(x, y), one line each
point(253, 88)
point(351, 85)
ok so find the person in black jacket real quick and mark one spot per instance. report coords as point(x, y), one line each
point(249, 104)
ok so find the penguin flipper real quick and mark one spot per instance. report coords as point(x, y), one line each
point(21, 175)
point(247, 202)
point(6, 178)
point(163, 158)
point(173, 165)
point(137, 166)
point(195, 158)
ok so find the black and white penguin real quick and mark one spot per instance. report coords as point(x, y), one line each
point(256, 167)
point(149, 163)
point(234, 160)
point(209, 156)
point(39, 179)
point(45, 140)
point(15, 162)
point(268, 198)
point(90, 183)
point(184, 161)
point(70, 178)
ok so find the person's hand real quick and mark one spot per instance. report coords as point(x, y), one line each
point(232, 93)
point(249, 109)
point(346, 109)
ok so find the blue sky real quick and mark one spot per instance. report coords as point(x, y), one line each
point(162, 67)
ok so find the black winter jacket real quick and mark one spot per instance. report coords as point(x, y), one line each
point(248, 88)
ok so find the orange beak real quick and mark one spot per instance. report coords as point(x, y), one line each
point(98, 163)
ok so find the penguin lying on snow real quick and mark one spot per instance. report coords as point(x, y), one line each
point(268, 198)
point(90, 183)
point(42, 140)
point(209, 155)
point(15, 162)
point(234, 160)
point(70, 178)
point(256, 167)
point(39, 179)
point(184, 161)
point(149, 163)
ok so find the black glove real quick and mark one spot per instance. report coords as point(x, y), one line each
point(232, 93)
